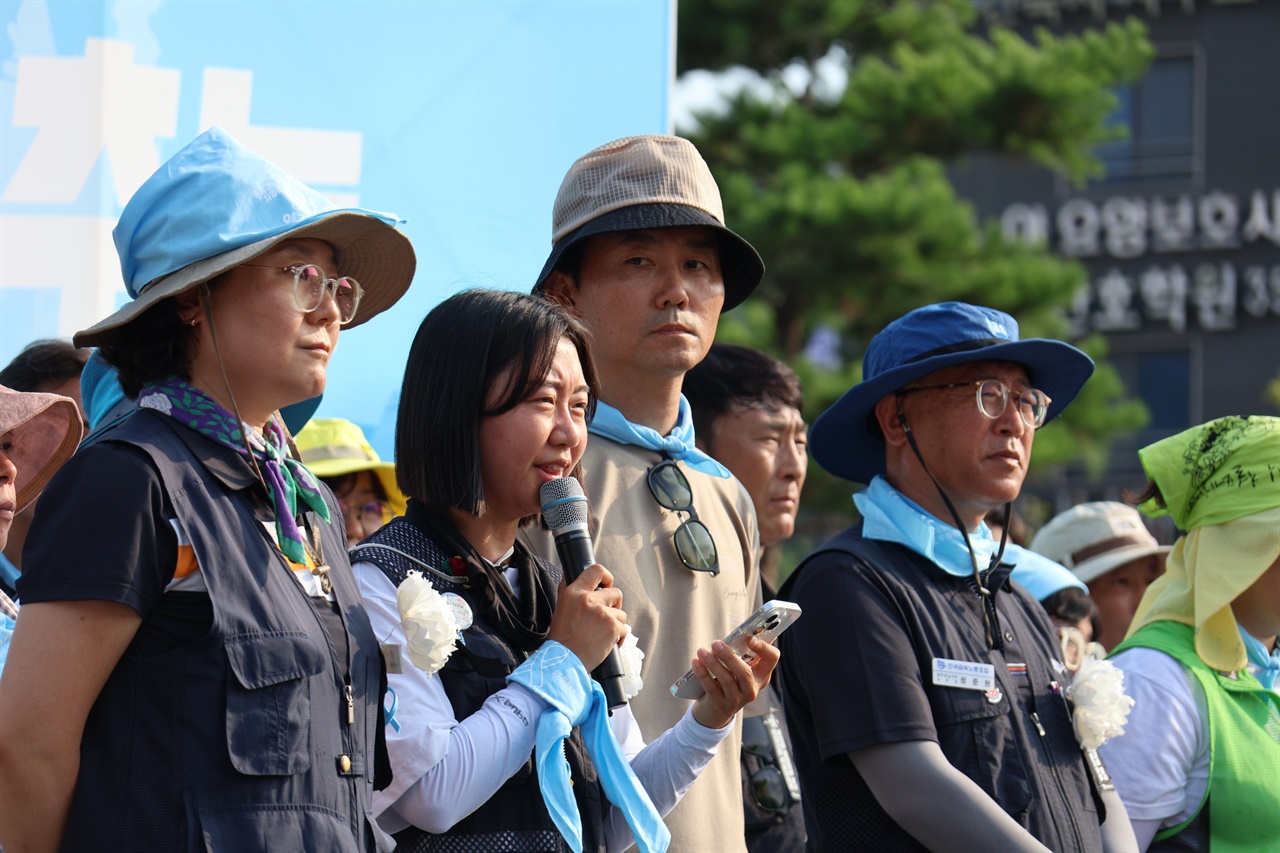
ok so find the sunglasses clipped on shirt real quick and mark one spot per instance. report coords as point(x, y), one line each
point(694, 545)
point(770, 787)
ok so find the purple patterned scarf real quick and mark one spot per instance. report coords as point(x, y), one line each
point(287, 479)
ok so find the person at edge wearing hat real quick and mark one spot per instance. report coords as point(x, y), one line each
point(641, 256)
point(336, 451)
point(38, 432)
point(1109, 548)
point(48, 367)
point(748, 413)
point(922, 689)
point(1199, 767)
point(193, 667)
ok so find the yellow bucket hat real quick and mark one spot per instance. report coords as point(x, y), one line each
point(1220, 482)
point(334, 447)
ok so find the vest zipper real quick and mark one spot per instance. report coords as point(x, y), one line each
point(1053, 771)
point(351, 704)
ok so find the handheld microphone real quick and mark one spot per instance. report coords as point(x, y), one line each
point(564, 509)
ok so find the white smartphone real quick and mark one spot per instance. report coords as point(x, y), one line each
point(767, 623)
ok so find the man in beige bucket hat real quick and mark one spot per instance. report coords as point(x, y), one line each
point(1108, 547)
point(641, 255)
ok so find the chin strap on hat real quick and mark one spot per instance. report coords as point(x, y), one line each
point(990, 621)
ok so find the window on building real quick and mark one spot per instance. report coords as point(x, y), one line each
point(1160, 112)
point(1162, 380)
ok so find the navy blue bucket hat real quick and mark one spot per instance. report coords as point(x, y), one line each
point(215, 205)
point(845, 439)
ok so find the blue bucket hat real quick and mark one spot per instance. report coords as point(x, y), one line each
point(215, 205)
point(846, 441)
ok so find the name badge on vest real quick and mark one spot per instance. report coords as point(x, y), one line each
point(964, 674)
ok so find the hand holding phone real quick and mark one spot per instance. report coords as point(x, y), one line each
point(766, 624)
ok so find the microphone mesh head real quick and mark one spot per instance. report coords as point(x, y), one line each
point(564, 504)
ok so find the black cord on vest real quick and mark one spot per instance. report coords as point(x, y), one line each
point(988, 607)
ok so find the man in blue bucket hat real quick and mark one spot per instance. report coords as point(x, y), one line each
point(921, 687)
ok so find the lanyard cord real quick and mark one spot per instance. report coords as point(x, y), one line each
point(314, 547)
point(988, 606)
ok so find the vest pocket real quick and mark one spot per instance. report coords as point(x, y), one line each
point(276, 827)
point(269, 702)
point(979, 739)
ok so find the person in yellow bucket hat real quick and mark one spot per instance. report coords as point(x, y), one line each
point(1197, 768)
point(337, 452)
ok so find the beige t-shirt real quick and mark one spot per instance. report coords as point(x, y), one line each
point(674, 611)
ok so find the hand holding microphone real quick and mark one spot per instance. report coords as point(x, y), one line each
point(564, 509)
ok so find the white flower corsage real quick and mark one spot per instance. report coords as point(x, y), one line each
point(632, 657)
point(157, 401)
point(430, 630)
point(1101, 707)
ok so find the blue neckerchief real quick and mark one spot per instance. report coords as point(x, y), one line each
point(1263, 664)
point(8, 572)
point(678, 444)
point(891, 516)
point(1040, 576)
point(556, 675)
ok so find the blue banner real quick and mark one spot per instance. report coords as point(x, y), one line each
point(461, 117)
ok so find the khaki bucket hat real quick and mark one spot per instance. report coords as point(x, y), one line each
point(1093, 538)
point(642, 182)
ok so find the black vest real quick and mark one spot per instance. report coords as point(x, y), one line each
point(238, 741)
point(1021, 752)
point(515, 817)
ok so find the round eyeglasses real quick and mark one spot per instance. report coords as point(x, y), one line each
point(993, 398)
point(371, 517)
point(310, 284)
point(694, 545)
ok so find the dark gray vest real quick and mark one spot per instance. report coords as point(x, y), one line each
point(515, 817)
point(1022, 752)
point(245, 739)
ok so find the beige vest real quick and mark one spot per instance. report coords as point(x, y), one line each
point(674, 611)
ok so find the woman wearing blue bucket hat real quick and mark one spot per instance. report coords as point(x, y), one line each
point(193, 668)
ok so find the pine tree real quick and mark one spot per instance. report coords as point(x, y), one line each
point(845, 193)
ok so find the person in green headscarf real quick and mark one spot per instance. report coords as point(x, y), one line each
point(1199, 767)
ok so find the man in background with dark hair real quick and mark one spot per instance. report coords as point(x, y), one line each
point(747, 415)
point(44, 367)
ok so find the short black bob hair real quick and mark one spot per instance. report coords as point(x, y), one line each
point(474, 342)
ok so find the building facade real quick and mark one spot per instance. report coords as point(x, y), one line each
point(1181, 238)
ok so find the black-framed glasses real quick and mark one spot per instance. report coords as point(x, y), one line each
point(993, 398)
point(768, 786)
point(310, 283)
point(694, 545)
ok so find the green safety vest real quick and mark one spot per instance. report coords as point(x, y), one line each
point(1244, 746)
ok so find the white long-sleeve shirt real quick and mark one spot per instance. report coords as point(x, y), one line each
point(446, 768)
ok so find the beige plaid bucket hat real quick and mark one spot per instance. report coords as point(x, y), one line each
point(642, 182)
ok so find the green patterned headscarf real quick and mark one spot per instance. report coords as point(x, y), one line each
point(1216, 472)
